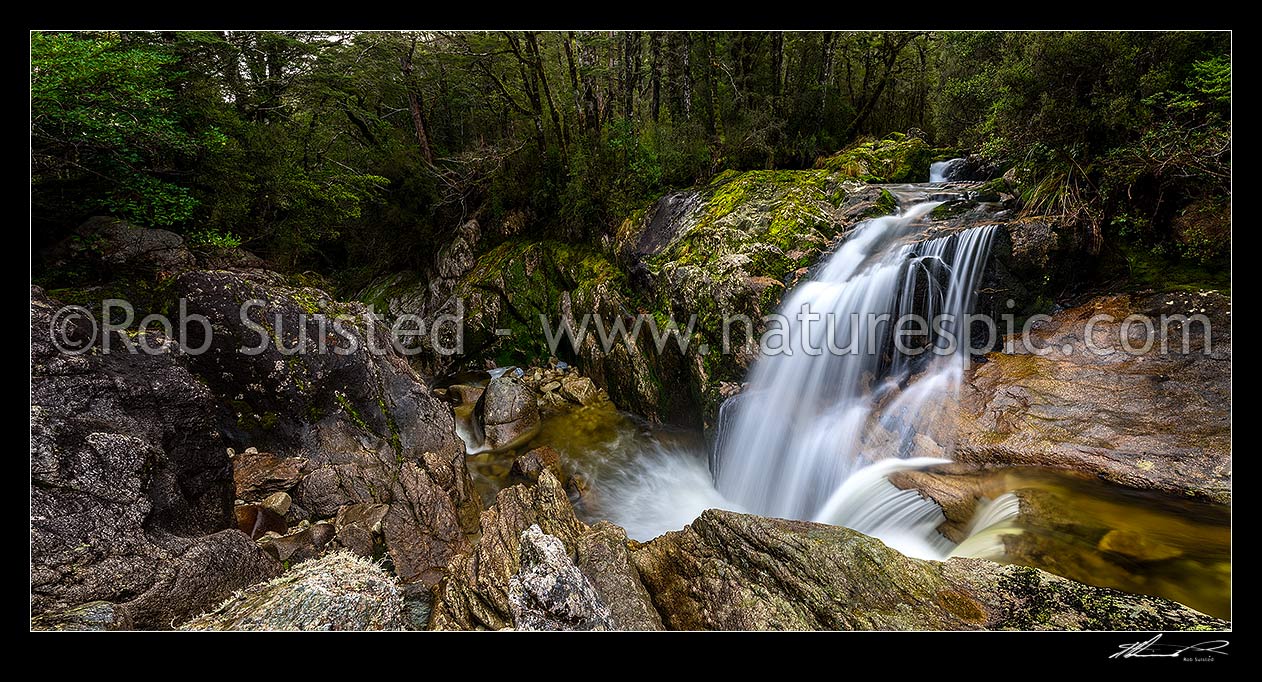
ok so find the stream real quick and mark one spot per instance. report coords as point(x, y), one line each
point(817, 435)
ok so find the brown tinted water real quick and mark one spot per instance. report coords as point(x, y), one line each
point(642, 476)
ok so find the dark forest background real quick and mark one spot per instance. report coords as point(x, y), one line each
point(357, 153)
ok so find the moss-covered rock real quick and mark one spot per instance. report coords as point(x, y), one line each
point(897, 158)
point(726, 252)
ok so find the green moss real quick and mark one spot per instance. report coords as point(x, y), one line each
point(886, 204)
point(897, 158)
point(991, 190)
point(950, 209)
point(251, 421)
point(350, 410)
point(1150, 270)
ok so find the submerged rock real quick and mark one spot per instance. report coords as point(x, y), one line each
point(734, 571)
point(549, 592)
point(339, 591)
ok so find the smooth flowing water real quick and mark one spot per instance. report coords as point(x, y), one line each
point(834, 409)
point(826, 419)
point(940, 171)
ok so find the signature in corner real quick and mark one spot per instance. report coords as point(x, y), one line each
point(1151, 649)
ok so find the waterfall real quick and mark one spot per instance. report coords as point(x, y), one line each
point(940, 171)
point(832, 410)
point(817, 433)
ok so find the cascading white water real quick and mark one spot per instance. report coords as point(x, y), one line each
point(940, 171)
point(816, 433)
point(830, 413)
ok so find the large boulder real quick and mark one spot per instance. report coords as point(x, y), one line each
point(131, 487)
point(113, 246)
point(338, 591)
point(475, 594)
point(1152, 420)
point(508, 414)
point(896, 158)
point(327, 385)
point(729, 571)
point(727, 249)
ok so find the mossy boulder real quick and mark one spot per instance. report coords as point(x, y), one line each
point(727, 252)
point(897, 158)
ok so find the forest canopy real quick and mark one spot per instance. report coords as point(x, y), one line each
point(359, 152)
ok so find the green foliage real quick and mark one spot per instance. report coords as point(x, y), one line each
point(108, 130)
point(361, 152)
point(213, 238)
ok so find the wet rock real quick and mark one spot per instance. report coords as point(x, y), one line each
point(735, 571)
point(256, 520)
point(508, 413)
point(301, 545)
point(422, 529)
point(549, 592)
point(1137, 546)
point(550, 386)
point(580, 390)
point(1151, 420)
point(336, 592)
point(530, 465)
point(604, 559)
point(131, 488)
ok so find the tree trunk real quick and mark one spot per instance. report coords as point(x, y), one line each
point(414, 103)
point(655, 73)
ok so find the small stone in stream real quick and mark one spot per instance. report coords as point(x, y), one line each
point(576, 488)
point(535, 462)
point(1137, 546)
point(550, 386)
point(580, 390)
point(278, 502)
point(549, 592)
point(552, 402)
point(255, 520)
